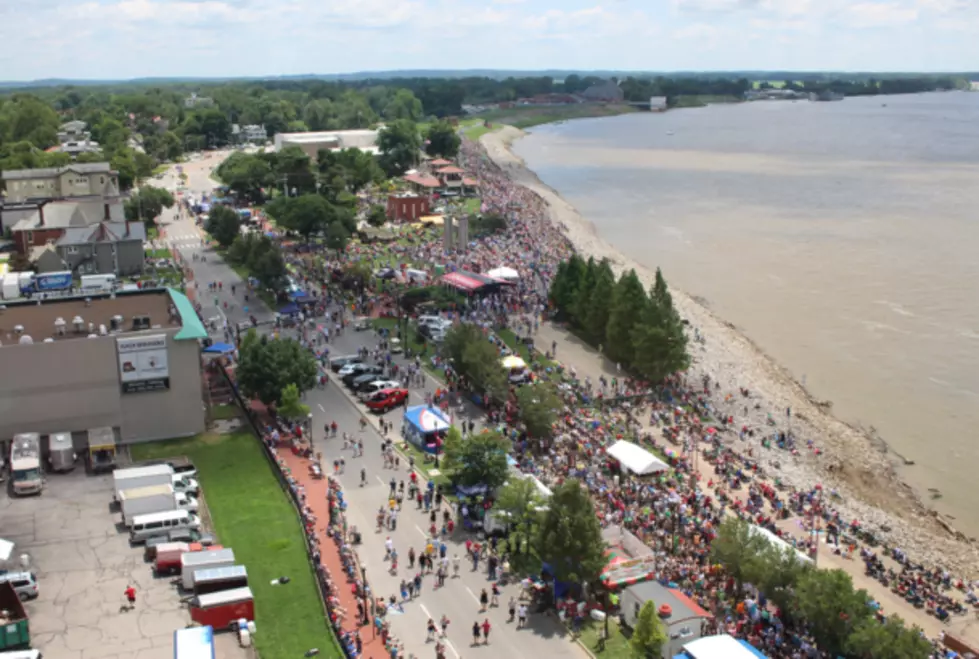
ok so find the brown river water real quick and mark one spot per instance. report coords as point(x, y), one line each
point(842, 237)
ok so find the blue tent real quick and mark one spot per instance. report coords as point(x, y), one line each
point(298, 295)
point(219, 349)
point(289, 310)
point(424, 427)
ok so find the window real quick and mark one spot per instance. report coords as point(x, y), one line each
point(101, 180)
point(73, 249)
point(30, 237)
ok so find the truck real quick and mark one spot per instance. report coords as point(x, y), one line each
point(10, 287)
point(14, 629)
point(52, 281)
point(146, 500)
point(98, 283)
point(61, 451)
point(130, 479)
point(25, 463)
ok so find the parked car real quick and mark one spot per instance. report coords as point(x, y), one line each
point(363, 323)
point(353, 369)
point(185, 485)
point(338, 363)
point(386, 399)
point(377, 385)
point(365, 370)
point(364, 381)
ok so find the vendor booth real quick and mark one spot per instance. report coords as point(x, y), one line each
point(425, 427)
point(516, 369)
point(636, 459)
point(722, 646)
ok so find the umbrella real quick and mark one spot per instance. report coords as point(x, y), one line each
point(219, 349)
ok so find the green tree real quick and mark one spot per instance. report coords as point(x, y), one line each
point(457, 338)
point(479, 460)
point(246, 174)
point(377, 216)
point(224, 225)
point(481, 366)
point(291, 405)
point(891, 640)
point(399, 143)
point(267, 366)
point(566, 283)
point(777, 573)
point(831, 607)
point(570, 537)
point(147, 204)
point(269, 268)
point(403, 105)
point(649, 635)
point(521, 502)
point(629, 303)
point(539, 405)
point(306, 215)
point(660, 340)
point(337, 236)
point(293, 166)
point(442, 140)
point(582, 298)
point(739, 548)
point(599, 304)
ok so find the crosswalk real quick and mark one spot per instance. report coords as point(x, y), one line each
point(184, 240)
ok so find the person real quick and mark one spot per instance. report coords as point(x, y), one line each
point(445, 625)
point(476, 633)
point(432, 630)
point(455, 566)
point(483, 600)
point(522, 616)
point(486, 631)
point(130, 593)
point(495, 599)
point(388, 547)
point(363, 477)
point(512, 609)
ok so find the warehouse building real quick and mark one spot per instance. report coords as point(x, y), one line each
point(313, 143)
point(130, 361)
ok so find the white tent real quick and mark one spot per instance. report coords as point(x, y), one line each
point(6, 549)
point(636, 459)
point(503, 272)
point(722, 646)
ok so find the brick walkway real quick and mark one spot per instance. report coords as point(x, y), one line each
point(316, 499)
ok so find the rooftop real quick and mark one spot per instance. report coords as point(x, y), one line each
point(104, 232)
point(38, 321)
point(63, 214)
point(423, 180)
point(52, 172)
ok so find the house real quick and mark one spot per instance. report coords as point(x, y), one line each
point(75, 147)
point(657, 103)
point(106, 248)
point(408, 207)
point(194, 101)
point(605, 92)
point(682, 617)
point(73, 131)
point(450, 177)
point(47, 222)
point(95, 179)
point(254, 133)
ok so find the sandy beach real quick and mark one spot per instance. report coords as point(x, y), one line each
point(849, 462)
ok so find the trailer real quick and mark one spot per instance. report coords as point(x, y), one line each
point(220, 578)
point(193, 562)
point(193, 643)
point(98, 283)
point(102, 449)
point(14, 629)
point(128, 479)
point(145, 501)
point(53, 281)
point(223, 608)
point(25, 463)
point(168, 560)
point(61, 452)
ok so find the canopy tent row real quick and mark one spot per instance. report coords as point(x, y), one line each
point(636, 459)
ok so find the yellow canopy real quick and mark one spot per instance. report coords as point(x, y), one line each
point(513, 361)
point(429, 220)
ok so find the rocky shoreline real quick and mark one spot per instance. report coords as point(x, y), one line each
point(852, 463)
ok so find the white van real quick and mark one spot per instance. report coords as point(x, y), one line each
point(24, 583)
point(98, 283)
point(146, 526)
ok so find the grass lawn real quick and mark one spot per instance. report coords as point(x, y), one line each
point(221, 412)
point(252, 515)
point(163, 253)
point(617, 646)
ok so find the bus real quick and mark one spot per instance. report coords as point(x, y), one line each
point(193, 643)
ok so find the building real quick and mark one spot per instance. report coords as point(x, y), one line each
point(254, 133)
point(106, 248)
point(76, 147)
point(95, 179)
point(45, 223)
point(194, 101)
point(73, 131)
point(605, 92)
point(682, 617)
point(408, 207)
point(657, 103)
point(129, 361)
point(313, 143)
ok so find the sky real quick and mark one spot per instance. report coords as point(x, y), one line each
point(120, 39)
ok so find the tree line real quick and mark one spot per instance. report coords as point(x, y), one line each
point(641, 332)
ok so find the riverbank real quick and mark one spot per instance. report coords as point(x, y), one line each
point(850, 462)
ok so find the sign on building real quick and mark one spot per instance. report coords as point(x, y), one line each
point(143, 364)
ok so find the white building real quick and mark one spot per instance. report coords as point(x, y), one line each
point(312, 143)
point(254, 133)
point(195, 101)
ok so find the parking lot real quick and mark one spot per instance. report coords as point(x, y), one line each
point(83, 561)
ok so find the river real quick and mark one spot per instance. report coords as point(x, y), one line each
point(842, 237)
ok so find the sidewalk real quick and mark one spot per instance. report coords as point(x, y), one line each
point(316, 499)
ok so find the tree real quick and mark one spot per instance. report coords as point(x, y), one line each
point(538, 405)
point(629, 303)
point(290, 405)
point(649, 635)
point(306, 215)
point(246, 174)
point(660, 340)
point(570, 537)
point(403, 105)
point(831, 607)
point(337, 236)
point(566, 284)
point(377, 216)
point(147, 203)
point(269, 268)
point(599, 304)
point(579, 310)
point(442, 140)
point(224, 225)
point(292, 165)
point(777, 573)
point(888, 640)
point(479, 460)
point(521, 502)
point(481, 366)
point(739, 549)
point(399, 143)
point(267, 366)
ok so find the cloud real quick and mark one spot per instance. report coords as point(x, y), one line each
point(877, 14)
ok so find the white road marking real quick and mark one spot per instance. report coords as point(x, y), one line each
point(320, 405)
point(424, 535)
point(449, 645)
point(379, 479)
point(427, 614)
point(469, 590)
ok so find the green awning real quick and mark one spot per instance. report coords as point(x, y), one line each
point(192, 328)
